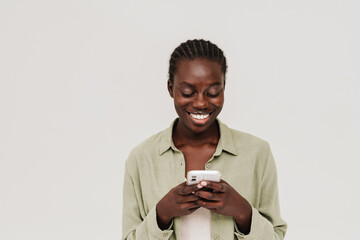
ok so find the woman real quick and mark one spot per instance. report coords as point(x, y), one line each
point(157, 202)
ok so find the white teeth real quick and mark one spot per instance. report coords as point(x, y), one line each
point(199, 116)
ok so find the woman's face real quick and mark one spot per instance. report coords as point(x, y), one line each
point(198, 92)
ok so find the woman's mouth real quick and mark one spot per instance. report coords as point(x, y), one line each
point(199, 118)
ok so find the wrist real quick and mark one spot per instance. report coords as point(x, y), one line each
point(163, 220)
point(243, 219)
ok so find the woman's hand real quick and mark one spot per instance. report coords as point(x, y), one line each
point(179, 201)
point(227, 201)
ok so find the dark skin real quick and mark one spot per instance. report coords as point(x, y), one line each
point(198, 93)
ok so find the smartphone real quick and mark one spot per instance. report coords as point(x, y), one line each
point(195, 176)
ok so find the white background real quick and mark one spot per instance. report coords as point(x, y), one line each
point(82, 82)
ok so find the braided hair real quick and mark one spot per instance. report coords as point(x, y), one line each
point(197, 48)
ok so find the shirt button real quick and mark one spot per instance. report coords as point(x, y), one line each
point(165, 234)
point(217, 237)
point(208, 165)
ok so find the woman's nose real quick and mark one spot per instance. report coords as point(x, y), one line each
point(200, 102)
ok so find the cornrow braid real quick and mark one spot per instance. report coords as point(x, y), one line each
point(192, 49)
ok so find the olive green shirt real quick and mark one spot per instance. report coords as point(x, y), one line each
point(245, 162)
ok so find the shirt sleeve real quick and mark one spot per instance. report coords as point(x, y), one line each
point(135, 224)
point(266, 222)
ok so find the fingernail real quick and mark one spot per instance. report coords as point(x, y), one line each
point(203, 183)
point(199, 186)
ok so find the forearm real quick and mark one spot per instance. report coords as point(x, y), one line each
point(262, 228)
point(139, 224)
point(147, 229)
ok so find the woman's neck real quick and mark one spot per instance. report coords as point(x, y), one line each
point(184, 136)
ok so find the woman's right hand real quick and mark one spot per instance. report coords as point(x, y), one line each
point(179, 201)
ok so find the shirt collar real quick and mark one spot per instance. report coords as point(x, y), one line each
point(166, 141)
point(226, 141)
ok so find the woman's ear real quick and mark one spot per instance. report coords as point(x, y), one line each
point(170, 87)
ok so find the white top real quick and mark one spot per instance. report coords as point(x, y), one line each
point(196, 226)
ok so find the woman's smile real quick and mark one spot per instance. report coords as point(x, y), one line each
point(200, 118)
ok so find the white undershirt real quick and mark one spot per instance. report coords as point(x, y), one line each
point(196, 226)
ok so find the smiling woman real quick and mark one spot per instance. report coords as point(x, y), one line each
point(158, 204)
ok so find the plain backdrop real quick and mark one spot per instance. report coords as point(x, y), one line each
point(83, 82)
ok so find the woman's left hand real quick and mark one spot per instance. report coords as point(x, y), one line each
point(227, 201)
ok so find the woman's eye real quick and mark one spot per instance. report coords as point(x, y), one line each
point(187, 94)
point(212, 95)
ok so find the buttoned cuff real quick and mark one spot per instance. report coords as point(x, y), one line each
point(154, 229)
point(260, 227)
